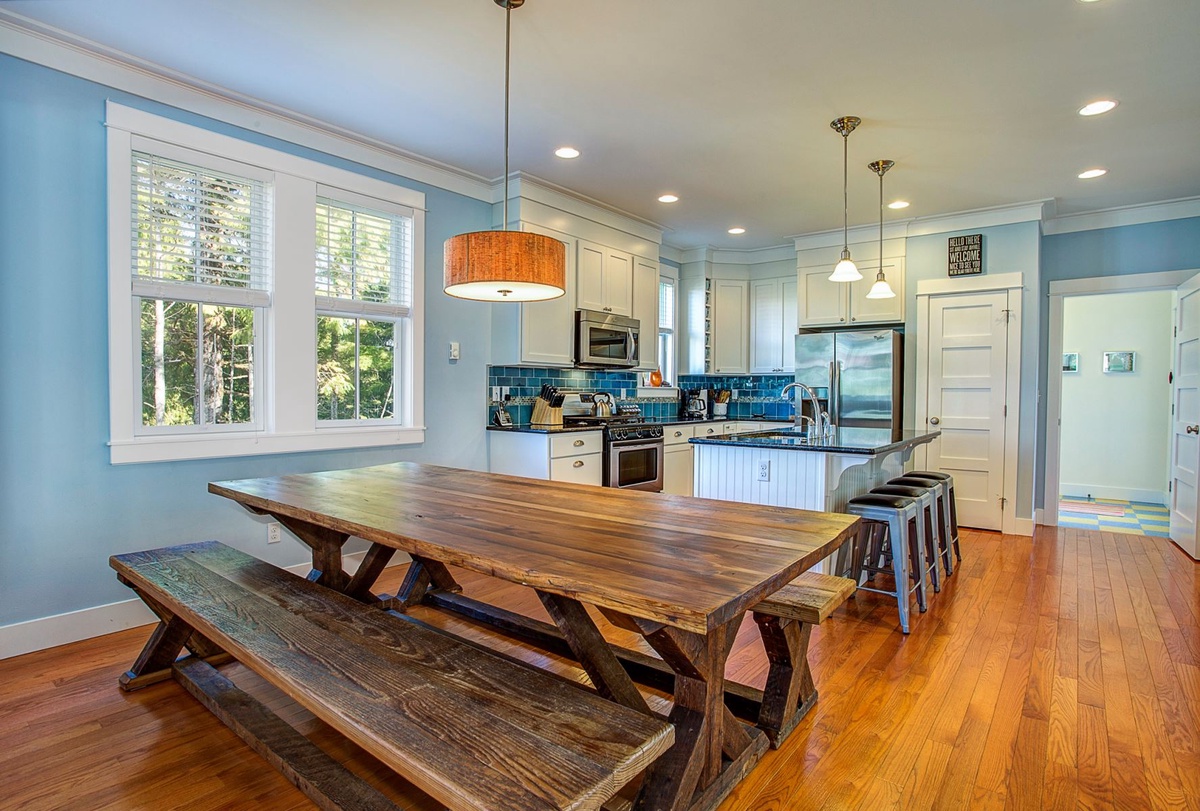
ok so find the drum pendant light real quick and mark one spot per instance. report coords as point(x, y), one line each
point(881, 289)
point(845, 270)
point(505, 265)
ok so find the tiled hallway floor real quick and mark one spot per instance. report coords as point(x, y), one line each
point(1139, 518)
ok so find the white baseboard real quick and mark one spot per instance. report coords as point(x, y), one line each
point(1120, 493)
point(1023, 526)
point(86, 623)
point(1039, 516)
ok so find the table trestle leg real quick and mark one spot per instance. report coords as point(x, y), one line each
point(790, 691)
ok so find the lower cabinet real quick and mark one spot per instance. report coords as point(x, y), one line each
point(571, 456)
point(677, 459)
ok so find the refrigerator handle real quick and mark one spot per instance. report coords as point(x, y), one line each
point(835, 392)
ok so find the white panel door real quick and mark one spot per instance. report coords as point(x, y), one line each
point(1185, 425)
point(968, 356)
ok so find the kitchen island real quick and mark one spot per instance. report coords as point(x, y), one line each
point(783, 468)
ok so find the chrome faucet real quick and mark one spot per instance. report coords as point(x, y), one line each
point(818, 427)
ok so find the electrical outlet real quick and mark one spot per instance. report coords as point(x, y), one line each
point(504, 392)
point(274, 532)
point(764, 470)
point(733, 394)
point(454, 352)
point(495, 394)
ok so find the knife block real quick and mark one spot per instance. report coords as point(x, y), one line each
point(546, 416)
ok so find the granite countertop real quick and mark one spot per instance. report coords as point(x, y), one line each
point(864, 441)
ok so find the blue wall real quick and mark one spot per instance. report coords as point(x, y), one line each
point(1125, 250)
point(64, 508)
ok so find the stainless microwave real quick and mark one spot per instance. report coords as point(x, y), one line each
point(605, 340)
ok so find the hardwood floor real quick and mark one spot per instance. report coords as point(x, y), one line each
point(1055, 672)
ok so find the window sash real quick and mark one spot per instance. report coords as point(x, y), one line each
point(174, 199)
point(363, 221)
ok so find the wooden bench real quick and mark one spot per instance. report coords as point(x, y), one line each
point(472, 729)
point(785, 622)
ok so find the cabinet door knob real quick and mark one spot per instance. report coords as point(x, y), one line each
point(1193, 429)
point(934, 421)
point(579, 443)
point(841, 319)
point(578, 463)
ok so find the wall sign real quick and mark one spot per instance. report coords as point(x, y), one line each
point(966, 255)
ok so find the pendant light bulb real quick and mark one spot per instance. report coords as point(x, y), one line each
point(505, 265)
point(845, 270)
point(881, 288)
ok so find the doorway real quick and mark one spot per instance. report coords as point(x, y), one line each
point(1088, 420)
point(1115, 413)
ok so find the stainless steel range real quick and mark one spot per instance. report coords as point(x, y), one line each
point(633, 448)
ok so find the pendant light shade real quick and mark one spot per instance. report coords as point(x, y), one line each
point(881, 288)
point(845, 270)
point(505, 265)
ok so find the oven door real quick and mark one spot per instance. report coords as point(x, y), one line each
point(635, 464)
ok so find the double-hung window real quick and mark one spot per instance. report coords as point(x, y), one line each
point(364, 298)
point(666, 329)
point(259, 302)
point(199, 241)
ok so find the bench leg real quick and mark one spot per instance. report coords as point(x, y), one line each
point(165, 644)
point(790, 692)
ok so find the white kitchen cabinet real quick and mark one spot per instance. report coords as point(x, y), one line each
point(604, 279)
point(540, 333)
point(730, 326)
point(824, 303)
point(645, 310)
point(773, 314)
point(677, 459)
point(571, 456)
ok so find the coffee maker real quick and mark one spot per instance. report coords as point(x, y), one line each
point(693, 404)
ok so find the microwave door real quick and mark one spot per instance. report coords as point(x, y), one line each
point(608, 345)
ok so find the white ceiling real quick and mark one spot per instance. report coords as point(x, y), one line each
point(727, 104)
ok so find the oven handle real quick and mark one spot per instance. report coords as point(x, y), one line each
point(635, 444)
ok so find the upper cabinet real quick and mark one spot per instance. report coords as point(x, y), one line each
point(645, 310)
point(730, 327)
point(538, 332)
point(824, 303)
point(605, 279)
point(773, 324)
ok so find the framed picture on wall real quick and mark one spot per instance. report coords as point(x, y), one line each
point(1118, 361)
point(1070, 362)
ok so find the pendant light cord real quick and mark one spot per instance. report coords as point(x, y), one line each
point(507, 59)
point(881, 222)
point(845, 193)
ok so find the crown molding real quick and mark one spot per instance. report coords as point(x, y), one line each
point(858, 235)
point(525, 186)
point(1183, 208)
point(54, 48)
point(671, 253)
point(1034, 211)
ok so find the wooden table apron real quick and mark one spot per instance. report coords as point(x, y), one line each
point(680, 571)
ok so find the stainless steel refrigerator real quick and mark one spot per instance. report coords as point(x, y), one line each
point(857, 372)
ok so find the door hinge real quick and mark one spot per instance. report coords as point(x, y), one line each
point(1170, 485)
point(1006, 411)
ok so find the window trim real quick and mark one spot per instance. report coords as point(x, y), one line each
point(288, 364)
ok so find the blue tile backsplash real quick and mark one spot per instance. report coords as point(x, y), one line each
point(757, 395)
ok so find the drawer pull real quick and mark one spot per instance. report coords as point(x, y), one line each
point(579, 443)
point(578, 463)
point(679, 433)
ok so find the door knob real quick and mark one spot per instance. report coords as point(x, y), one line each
point(934, 421)
point(1193, 429)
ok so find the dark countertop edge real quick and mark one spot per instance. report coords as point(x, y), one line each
point(526, 428)
point(746, 441)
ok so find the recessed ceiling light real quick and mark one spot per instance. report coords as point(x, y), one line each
point(567, 152)
point(1087, 1)
point(898, 204)
point(1097, 107)
point(669, 198)
point(1090, 173)
point(737, 230)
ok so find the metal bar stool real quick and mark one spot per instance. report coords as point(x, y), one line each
point(927, 528)
point(940, 518)
point(889, 520)
point(947, 482)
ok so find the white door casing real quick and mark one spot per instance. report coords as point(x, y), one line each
point(1185, 426)
point(968, 362)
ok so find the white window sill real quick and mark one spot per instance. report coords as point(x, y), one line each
point(664, 392)
point(177, 448)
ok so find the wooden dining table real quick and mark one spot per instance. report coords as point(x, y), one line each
point(679, 571)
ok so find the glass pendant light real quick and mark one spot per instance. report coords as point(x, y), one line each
point(505, 265)
point(845, 270)
point(881, 289)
